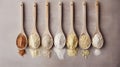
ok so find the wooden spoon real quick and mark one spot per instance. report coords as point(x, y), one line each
point(60, 18)
point(47, 40)
point(21, 43)
point(72, 17)
point(47, 32)
point(60, 31)
point(84, 39)
point(72, 40)
point(59, 39)
point(97, 27)
point(84, 29)
point(72, 20)
point(34, 31)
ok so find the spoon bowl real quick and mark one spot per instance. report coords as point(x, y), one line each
point(23, 43)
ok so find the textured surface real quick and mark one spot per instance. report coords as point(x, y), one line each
point(10, 27)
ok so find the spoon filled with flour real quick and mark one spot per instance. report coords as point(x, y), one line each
point(47, 40)
point(34, 38)
point(84, 39)
point(59, 39)
point(72, 40)
point(97, 39)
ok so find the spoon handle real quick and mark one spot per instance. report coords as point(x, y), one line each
point(84, 4)
point(22, 17)
point(97, 13)
point(60, 17)
point(47, 15)
point(72, 16)
point(34, 15)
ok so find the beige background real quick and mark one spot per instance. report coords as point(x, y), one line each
point(10, 27)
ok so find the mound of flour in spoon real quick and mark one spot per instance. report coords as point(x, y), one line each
point(34, 43)
point(72, 42)
point(59, 42)
point(97, 41)
point(47, 43)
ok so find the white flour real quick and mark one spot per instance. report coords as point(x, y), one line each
point(59, 42)
point(97, 52)
point(97, 41)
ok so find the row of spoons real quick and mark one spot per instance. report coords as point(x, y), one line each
point(59, 40)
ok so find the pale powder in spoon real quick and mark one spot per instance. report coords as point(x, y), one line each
point(84, 41)
point(34, 43)
point(47, 43)
point(72, 43)
point(59, 42)
point(97, 41)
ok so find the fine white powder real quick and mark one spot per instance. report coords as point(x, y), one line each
point(60, 52)
point(97, 41)
point(59, 42)
point(97, 52)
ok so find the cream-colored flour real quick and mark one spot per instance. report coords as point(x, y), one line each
point(72, 42)
point(34, 43)
point(84, 41)
point(72, 52)
point(35, 52)
point(47, 43)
